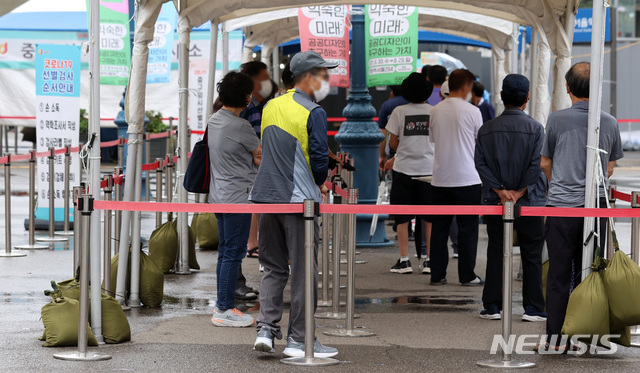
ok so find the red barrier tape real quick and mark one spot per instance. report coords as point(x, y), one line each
point(108, 144)
point(362, 209)
point(21, 157)
point(621, 196)
point(341, 192)
point(104, 183)
point(150, 166)
point(118, 180)
point(4, 160)
point(162, 135)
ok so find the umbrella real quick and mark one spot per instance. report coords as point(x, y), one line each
point(383, 199)
point(443, 59)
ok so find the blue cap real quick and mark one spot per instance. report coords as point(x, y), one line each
point(305, 61)
point(515, 84)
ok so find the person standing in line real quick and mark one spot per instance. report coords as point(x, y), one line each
point(395, 99)
point(437, 75)
point(564, 161)
point(408, 129)
point(294, 168)
point(507, 158)
point(453, 129)
point(235, 153)
point(487, 110)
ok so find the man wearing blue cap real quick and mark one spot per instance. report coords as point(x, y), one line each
point(295, 161)
point(507, 158)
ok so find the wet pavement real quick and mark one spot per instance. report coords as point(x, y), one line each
point(419, 327)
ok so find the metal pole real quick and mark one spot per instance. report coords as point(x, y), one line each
point(134, 296)
point(85, 205)
point(67, 192)
point(106, 279)
point(117, 190)
point(225, 49)
point(77, 222)
point(147, 174)
point(32, 206)
point(610, 244)
point(613, 96)
point(6, 140)
point(635, 230)
point(508, 218)
point(523, 48)
point(335, 251)
point(15, 140)
point(169, 178)
point(169, 140)
point(52, 193)
point(309, 296)
point(535, 45)
point(2, 129)
point(121, 153)
point(213, 54)
point(159, 189)
point(350, 330)
point(593, 131)
point(326, 241)
point(7, 212)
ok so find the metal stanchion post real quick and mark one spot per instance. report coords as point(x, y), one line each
point(309, 327)
point(85, 205)
point(326, 229)
point(107, 238)
point(612, 203)
point(159, 190)
point(121, 153)
point(52, 193)
point(117, 190)
point(147, 157)
point(635, 247)
point(336, 245)
point(15, 140)
point(7, 213)
point(77, 221)
point(349, 330)
point(169, 178)
point(508, 218)
point(32, 207)
point(67, 192)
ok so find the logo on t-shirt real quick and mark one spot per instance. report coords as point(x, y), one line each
point(416, 125)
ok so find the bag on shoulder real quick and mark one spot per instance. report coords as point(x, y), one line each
point(198, 174)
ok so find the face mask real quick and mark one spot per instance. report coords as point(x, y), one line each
point(468, 97)
point(265, 88)
point(323, 92)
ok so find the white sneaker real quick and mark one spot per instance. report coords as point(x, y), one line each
point(232, 318)
point(296, 349)
point(261, 268)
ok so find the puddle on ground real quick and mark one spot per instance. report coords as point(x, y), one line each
point(427, 299)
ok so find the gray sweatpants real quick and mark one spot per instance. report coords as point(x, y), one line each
point(282, 243)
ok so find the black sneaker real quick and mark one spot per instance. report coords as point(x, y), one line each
point(246, 293)
point(491, 313)
point(426, 267)
point(474, 282)
point(402, 267)
point(438, 283)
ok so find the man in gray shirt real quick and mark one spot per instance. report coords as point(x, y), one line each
point(564, 161)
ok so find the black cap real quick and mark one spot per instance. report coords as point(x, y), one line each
point(515, 84)
point(416, 89)
point(305, 61)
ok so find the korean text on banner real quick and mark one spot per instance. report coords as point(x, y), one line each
point(161, 48)
point(324, 29)
point(115, 43)
point(57, 118)
point(391, 41)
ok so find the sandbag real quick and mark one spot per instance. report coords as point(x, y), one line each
point(114, 275)
point(193, 261)
point(622, 282)
point(115, 326)
point(60, 319)
point(163, 245)
point(151, 282)
point(206, 230)
point(625, 336)
point(588, 309)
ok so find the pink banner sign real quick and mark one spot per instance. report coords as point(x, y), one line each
point(324, 29)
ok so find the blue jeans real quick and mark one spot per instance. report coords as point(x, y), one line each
point(233, 230)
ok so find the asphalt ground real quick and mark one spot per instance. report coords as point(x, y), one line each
point(418, 327)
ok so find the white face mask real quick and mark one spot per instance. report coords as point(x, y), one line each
point(265, 88)
point(468, 97)
point(323, 92)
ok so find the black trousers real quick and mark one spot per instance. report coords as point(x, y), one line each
point(242, 281)
point(467, 232)
point(530, 231)
point(564, 238)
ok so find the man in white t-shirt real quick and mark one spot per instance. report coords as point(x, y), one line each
point(408, 127)
point(454, 128)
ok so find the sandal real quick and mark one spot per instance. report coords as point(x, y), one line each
point(253, 253)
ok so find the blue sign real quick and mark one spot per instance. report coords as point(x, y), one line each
point(584, 23)
point(161, 48)
point(58, 70)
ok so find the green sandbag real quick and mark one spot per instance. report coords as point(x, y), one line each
point(625, 337)
point(622, 281)
point(70, 289)
point(207, 231)
point(60, 319)
point(193, 261)
point(163, 245)
point(588, 309)
point(115, 326)
point(151, 282)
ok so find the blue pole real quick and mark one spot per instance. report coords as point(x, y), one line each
point(360, 137)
